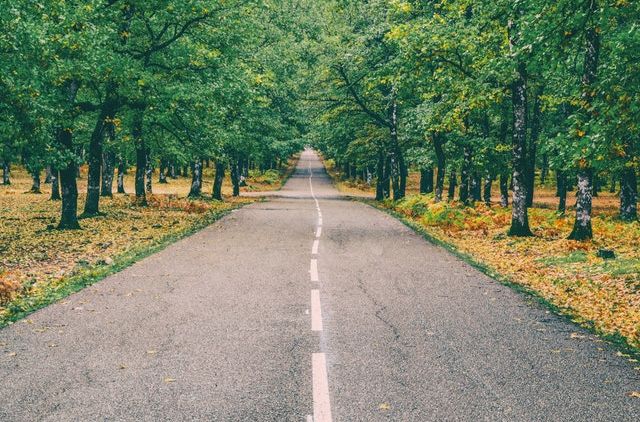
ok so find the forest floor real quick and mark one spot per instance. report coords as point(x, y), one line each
point(570, 276)
point(39, 264)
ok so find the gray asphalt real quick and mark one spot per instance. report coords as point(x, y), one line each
point(216, 327)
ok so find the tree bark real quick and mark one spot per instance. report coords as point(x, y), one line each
point(465, 176)
point(6, 173)
point(108, 169)
point(141, 157)
point(476, 187)
point(453, 181)
point(105, 118)
point(162, 177)
point(68, 183)
point(533, 145)
point(504, 190)
point(172, 170)
point(426, 180)
point(380, 177)
point(121, 172)
point(235, 176)
point(519, 213)
point(35, 185)
point(544, 171)
point(55, 185)
point(218, 179)
point(148, 173)
point(629, 195)
point(196, 179)
point(47, 174)
point(582, 228)
point(438, 146)
point(488, 182)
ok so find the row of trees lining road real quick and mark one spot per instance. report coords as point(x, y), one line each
point(163, 84)
point(477, 91)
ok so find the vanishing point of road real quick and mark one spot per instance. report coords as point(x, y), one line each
point(307, 307)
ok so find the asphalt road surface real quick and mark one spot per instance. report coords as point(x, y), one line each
point(307, 307)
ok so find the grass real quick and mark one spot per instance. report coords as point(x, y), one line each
point(40, 265)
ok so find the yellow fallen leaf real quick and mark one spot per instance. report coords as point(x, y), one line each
point(634, 394)
point(169, 380)
point(122, 366)
point(577, 336)
point(384, 406)
point(152, 352)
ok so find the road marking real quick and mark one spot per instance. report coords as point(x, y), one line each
point(319, 232)
point(314, 270)
point(321, 403)
point(309, 418)
point(320, 221)
point(314, 248)
point(316, 311)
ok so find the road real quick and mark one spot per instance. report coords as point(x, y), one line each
point(307, 307)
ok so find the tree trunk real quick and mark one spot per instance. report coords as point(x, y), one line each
point(519, 213)
point(196, 179)
point(438, 146)
point(108, 169)
point(162, 177)
point(386, 179)
point(218, 179)
point(121, 172)
point(465, 176)
point(380, 177)
point(402, 176)
point(561, 182)
point(149, 173)
point(105, 117)
point(69, 186)
point(504, 190)
point(582, 228)
point(172, 171)
point(141, 157)
point(55, 184)
point(47, 174)
point(6, 173)
point(544, 171)
point(629, 195)
point(453, 181)
point(426, 180)
point(488, 181)
point(612, 186)
point(35, 186)
point(476, 187)
point(235, 176)
point(533, 146)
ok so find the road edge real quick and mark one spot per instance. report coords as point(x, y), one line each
point(617, 341)
point(22, 307)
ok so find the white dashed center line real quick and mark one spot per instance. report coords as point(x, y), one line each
point(316, 312)
point(314, 270)
point(321, 403)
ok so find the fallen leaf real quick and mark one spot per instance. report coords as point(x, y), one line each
point(634, 394)
point(169, 380)
point(577, 336)
point(384, 406)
